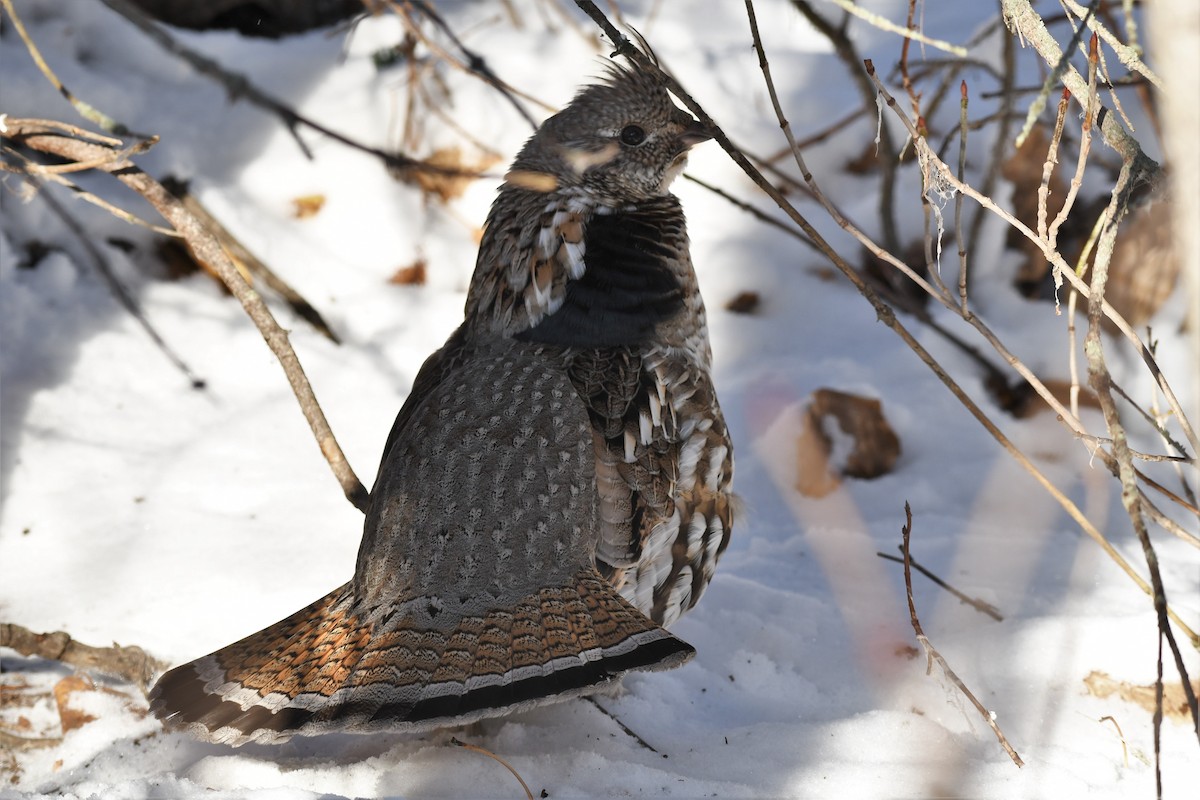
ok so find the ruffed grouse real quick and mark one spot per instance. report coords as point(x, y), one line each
point(556, 488)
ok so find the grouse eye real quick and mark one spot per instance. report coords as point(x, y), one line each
point(632, 135)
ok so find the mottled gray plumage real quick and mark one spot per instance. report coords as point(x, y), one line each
point(556, 487)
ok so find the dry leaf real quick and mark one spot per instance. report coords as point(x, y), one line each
point(308, 205)
point(1100, 684)
point(744, 303)
point(876, 446)
point(448, 185)
point(70, 717)
point(814, 476)
point(412, 275)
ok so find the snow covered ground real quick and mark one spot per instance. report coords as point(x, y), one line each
point(139, 510)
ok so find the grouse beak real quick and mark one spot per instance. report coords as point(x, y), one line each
point(694, 134)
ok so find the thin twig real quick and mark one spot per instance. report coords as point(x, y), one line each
point(1162, 520)
point(932, 162)
point(887, 25)
point(1049, 165)
point(941, 294)
point(28, 166)
point(845, 50)
point(118, 289)
point(807, 174)
point(1120, 735)
point(254, 266)
point(1131, 81)
point(483, 751)
point(86, 110)
point(958, 204)
point(1126, 54)
point(240, 87)
point(1157, 419)
point(885, 313)
point(1085, 144)
point(475, 63)
point(1020, 17)
point(624, 728)
point(1100, 380)
point(206, 246)
point(1005, 114)
point(906, 79)
point(928, 66)
point(981, 606)
point(749, 209)
point(816, 138)
point(1052, 239)
point(931, 653)
point(1057, 71)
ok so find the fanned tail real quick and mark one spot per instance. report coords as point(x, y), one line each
point(333, 667)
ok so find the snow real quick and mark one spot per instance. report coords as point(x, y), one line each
point(139, 510)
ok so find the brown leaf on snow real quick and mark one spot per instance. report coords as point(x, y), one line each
point(744, 303)
point(875, 445)
point(1100, 684)
point(308, 205)
point(70, 687)
point(446, 185)
point(72, 718)
point(412, 275)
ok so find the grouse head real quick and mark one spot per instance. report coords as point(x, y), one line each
point(621, 140)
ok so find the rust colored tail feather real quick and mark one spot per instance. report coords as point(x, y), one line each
point(333, 667)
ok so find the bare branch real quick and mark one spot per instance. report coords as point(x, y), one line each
point(1126, 54)
point(119, 290)
point(129, 662)
point(884, 312)
point(844, 48)
point(240, 87)
point(1021, 18)
point(472, 62)
point(1100, 380)
point(931, 653)
point(887, 25)
point(86, 110)
point(1085, 144)
point(205, 245)
point(981, 606)
point(931, 162)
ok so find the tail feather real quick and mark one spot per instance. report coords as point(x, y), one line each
point(332, 667)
